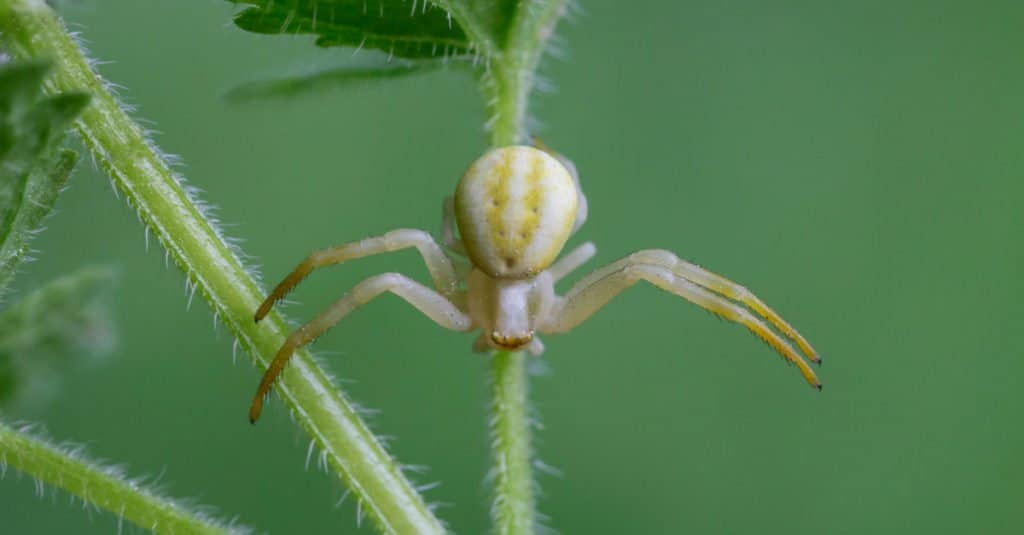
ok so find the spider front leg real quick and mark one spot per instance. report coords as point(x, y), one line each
point(431, 303)
point(595, 291)
point(439, 265)
point(730, 289)
point(718, 284)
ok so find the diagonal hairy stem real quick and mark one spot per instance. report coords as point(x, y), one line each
point(101, 486)
point(30, 29)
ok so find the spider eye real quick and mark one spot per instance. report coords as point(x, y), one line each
point(510, 341)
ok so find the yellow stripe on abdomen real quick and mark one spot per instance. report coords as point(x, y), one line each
point(515, 207)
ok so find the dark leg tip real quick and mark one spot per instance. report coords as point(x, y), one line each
point(818, 386)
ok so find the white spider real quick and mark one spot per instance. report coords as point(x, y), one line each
point(514, 209)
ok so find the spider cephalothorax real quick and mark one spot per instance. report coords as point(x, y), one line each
point(515, 208)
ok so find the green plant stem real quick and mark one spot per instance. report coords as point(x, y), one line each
point(507, 85)
point(513, 508)
point(30, 29)
point(100, 486)
point(512, 73)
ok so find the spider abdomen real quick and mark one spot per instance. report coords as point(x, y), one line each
point(515, 208)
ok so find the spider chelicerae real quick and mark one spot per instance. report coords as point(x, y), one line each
point(514, 210)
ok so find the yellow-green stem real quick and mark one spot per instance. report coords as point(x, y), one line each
point(512, 71)
point(30, 29)
point(513, 509)
point(507, 85)
point(103, 487)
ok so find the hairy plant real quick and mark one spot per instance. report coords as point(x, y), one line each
point(499, 42)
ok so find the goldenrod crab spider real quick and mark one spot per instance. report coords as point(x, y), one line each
point(514, 210)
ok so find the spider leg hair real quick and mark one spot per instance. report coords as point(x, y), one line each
point(431, 303)
point(572, 260)
point(440, 266)
point(593, 292)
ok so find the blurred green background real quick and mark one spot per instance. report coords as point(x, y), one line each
point(857, 164)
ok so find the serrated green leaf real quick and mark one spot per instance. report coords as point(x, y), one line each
point(486, 22)
point(401, 28)
point(64, 324)
point(32, 167)
point(326, 78)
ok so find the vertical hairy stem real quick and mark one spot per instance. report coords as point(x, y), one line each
point(507, 112)
point(100, 486)
point(512, 73)
point(513, 508)
point(29, 29)
point(507, 85)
